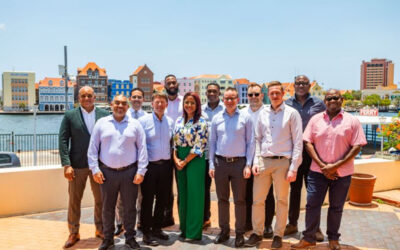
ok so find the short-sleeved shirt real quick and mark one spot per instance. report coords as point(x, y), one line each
point(191, 134)
point(334, 138)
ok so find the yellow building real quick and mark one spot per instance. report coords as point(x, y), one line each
point(18, 90)
point(201, 81)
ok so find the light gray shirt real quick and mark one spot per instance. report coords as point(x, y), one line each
point(132, 113)
point(279, 133)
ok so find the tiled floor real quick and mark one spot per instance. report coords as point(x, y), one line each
point(375, 227)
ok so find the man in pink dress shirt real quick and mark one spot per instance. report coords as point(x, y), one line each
point(333, 138)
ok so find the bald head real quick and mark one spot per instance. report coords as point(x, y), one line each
point(301, 87)
point(302, 78)
point(86, 98)
point(333, 101)
point(333, 92)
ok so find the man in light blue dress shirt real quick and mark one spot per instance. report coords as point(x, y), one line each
point(158, 180)
point(213, 106)
point(117, 157)
point(231, 155)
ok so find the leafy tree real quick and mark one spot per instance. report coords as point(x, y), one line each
point(356, 94)
point(385, 102)
point(348, 96)
point(372, 100)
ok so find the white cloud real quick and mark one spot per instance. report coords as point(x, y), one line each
point(2, 26)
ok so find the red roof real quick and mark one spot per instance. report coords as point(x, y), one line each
point(55, 82)
point(92, 66)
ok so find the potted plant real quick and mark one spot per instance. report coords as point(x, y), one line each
point(391, 142)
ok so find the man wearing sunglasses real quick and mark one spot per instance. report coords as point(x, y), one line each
point(307, 106)
point(117, 157)
point(255, 97)
point(333, 138)
point(135, 111)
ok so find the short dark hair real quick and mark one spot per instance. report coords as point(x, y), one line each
point(213, 84)
point(169, 75)
point(159, 94)
point(137, 89)
point(232, 89)
point(276, 83)
point(197, 113)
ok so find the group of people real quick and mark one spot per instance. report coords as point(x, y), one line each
point(263, 152)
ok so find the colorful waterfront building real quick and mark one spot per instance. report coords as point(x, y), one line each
point(142, 78)
point(119, 87)
point(94, 76)
point(186, 84)
point(377, 72)
point(201, 82)
point(18, 91)
point(241, 86)
point(52, 94)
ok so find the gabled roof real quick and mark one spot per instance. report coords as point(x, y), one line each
point(140, 68)
point(212, 76)
point(55, 82)
point(92, 66)
point(242, 81)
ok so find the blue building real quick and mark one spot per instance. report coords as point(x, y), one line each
point(118, 87)
point(52, 94)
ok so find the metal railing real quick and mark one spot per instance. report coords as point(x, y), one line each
point(31, 149)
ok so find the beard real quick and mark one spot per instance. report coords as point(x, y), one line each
point(173, 91)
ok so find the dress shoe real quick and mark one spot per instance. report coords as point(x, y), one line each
point(268, 232)
point(119, 230)
point(334, 245)
point(253, 240)
point(132, 244)
point(168, 222)
point(72, 239)
point(206, 224)
point(149, 240)
point(239, 241)
point(303, 244)
point(221, 237)
point(319, 235)
point(161, 235)
point(276, 242)
point(290, 229)
point(106, 244)
point(99, 234)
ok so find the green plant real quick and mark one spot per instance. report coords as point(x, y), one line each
point(391, 134)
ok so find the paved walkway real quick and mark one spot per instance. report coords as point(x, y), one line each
point(375, 227)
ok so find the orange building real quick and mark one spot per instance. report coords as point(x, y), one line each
point(94, 76)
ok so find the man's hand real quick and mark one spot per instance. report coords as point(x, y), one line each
point(69, 173)
point(256, 170)
point(138, 179)
point(291, 176)
point(247, 172)
point(99, 177)
point(211, 173)
point(332, 176)
point(329, 169)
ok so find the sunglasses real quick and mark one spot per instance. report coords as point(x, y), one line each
point(253, 94)
point(301, 83)
point(330, 98)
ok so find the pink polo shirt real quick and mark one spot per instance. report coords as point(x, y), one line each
point(333, 139)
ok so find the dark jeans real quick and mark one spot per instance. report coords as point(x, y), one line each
point(156, 184)
point(269, 204)
point(295, 189)
point(119, 182)
point(317, 187)
point(207, 198)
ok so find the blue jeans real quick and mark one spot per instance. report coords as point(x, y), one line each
point(317, 187)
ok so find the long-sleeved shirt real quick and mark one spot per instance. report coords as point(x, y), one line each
point(158, 136)
point(117, 144)
point(312, 106)
point(279, 133)
point(209, 114)
point(232, 136)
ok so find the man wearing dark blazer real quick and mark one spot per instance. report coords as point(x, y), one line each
point(74, 137)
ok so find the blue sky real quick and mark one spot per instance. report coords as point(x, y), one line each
point(258, 40)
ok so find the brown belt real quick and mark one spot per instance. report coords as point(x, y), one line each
point(118, 169)
point(229, 159)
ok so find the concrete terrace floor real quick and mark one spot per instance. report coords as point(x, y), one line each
point(374, 227)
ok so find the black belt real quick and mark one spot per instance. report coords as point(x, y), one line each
point(275, 157)
point(118, 169)
point(159, 162)
point(229, 159)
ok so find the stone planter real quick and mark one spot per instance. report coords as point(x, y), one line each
point(361, 189)
point(388, 156)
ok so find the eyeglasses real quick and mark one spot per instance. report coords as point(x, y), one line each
point(137, 97)
point(330, 98)
point(117, 103)
point(230, 99)
point(253, 94)
point(301, 83)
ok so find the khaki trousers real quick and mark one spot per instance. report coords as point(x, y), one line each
point(271, 171)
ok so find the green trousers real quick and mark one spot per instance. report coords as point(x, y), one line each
point(191, 181)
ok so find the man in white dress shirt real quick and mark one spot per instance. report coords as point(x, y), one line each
point(173, 111)
point(279, 145)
